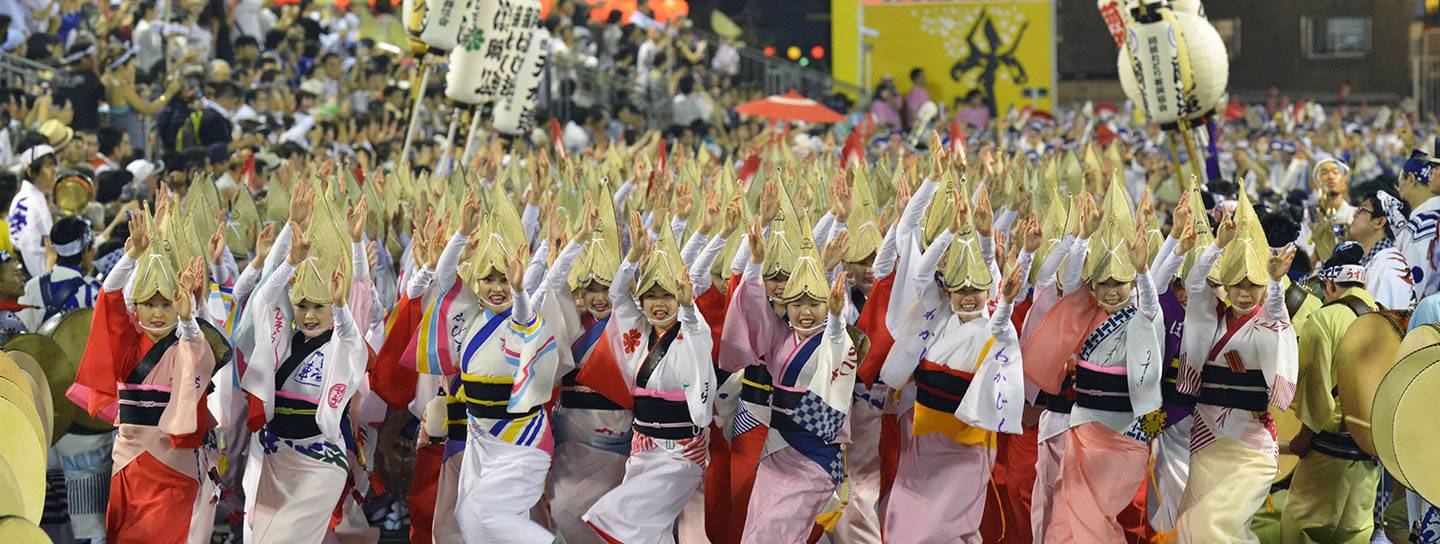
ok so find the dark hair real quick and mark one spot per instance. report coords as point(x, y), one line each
point(226, 89)
point(246, 40)
point(326, 57)
point(108, 139)
point(274, 37)
point(195, 157)
point(615, 17)
point(40, 163)
point(686, 84)
point(9, 185)
point(110, 183)
point(66, 230)
point(30, 139)
point(916, 72)
point(1371, 202)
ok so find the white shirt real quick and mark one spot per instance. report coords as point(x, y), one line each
point(30, 223)
point(84, 296)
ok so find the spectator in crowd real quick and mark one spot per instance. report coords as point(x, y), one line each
point(973, 114)
point(114, 149)
point(67, 285)
point(29, 215)
point(917, 97)
point(885, 106)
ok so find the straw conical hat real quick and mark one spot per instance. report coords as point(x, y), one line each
point(1247, 257)
point(864, 222)
point(600, 257)
point(663, 267)
point(330, 250)
point(808, 277)
point(1109, 255)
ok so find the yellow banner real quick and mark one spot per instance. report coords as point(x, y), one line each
point(1004, 49)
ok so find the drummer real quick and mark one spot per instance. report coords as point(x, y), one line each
point(66, 285)
point(1332, 490)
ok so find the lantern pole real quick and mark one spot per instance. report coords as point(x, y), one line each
point(419, 95)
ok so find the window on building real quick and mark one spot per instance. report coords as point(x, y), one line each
point(1335, 37)
point(1229, 30)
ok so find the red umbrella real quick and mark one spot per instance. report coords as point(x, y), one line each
point(790, 107)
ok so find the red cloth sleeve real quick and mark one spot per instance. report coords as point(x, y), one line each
point(110, 355)
point(872, 323)
point(389, 379)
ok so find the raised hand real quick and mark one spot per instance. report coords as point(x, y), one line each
point(710, 216)
point(217, 243)
point(302, 202)
point(470, 219)
point(1187, 240)
point(837, 295)
point(757, 241)
point(638, 237)
point(1011, 287)
point(962, 215)
point(1179, 219)
point(840, 200)
point(1140, 252)
point(733, 216)
point(355, 219)
point(263, 242)
point(339, 288)
point(835, 250)
point(1091, 220)
point(139, 239)
point(684, 290)
point(1280, 260)
point(984, 214)
point(299, 246)
point(1034, 237)
point(1226, 234)
point(769, 201)
point(188, 283)
point(515, 272)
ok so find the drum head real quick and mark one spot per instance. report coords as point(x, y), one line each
point(15, 386)
point(11, 503)
point(26, 457)
point(1366, 353)
point(1286, 426)
point(60, 371)
point(41, 386)
point(1412, 424)
point(1386, 424)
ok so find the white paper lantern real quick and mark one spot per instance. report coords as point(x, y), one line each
point(462, 79)
point(1188, 6)
point(1149, 67)
point(444, 21)
point(513, 113)
point(412, 15)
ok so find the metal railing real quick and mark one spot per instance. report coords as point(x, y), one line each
point(571, 88)
point(20, 72)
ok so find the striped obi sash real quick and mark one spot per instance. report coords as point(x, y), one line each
point(488, 397)
point(142, 404)
point(664, 418)
point(1101, 388)
point(939, 387)
point(1232, 386)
